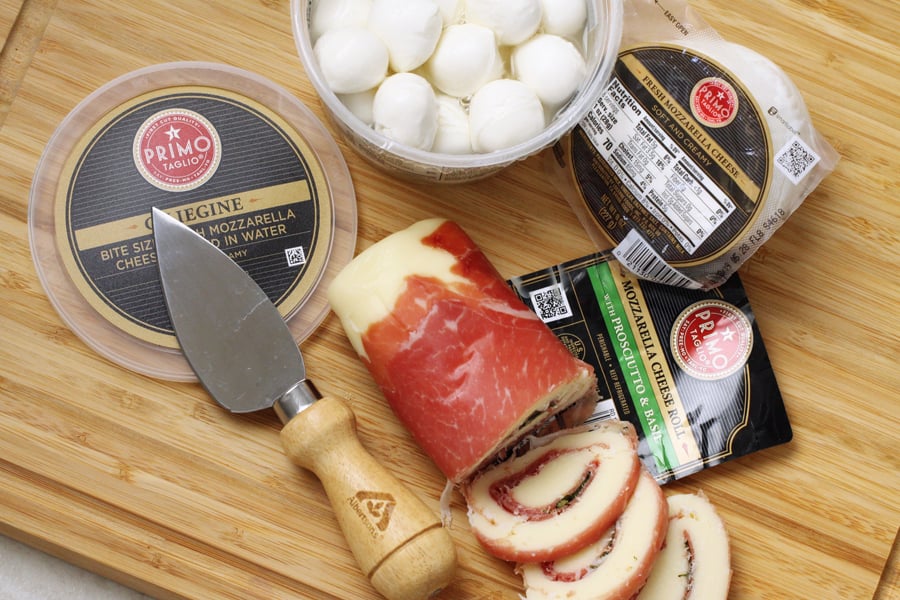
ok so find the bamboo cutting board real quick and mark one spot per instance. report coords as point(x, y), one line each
point(150, 483)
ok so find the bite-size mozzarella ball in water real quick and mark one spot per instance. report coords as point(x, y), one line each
point(453, 127)
point(409, 28)
point(550, 65)
point(564, 17)
point(514, 21)
point(405, 110)
point(352, 59)
point(325, 15)
point(504, 113)
point(360, 104)
point(451, 11)
point(465, 58)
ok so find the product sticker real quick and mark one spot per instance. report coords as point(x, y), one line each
point(225, 165)
point(686, 367)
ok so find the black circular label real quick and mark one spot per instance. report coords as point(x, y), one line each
point(221, 163)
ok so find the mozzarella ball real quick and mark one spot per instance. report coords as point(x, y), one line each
point(325, 15)
point(451, 11)
point(503, 113)
point(551, 66)
point(360, 104)
point(564, 17)
point(405, 110)
point(453, 127)
point(514, 21)
point(409, 28)
point(465, 59)
point(352, 59)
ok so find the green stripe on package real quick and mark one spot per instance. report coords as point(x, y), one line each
point(632, 366)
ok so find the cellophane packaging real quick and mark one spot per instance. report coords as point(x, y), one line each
point(697, 151)
point(687, 367)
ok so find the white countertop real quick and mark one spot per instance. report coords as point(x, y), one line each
point(29, 574)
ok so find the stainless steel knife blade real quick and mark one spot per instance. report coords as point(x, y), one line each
point(230, 332)
point(244, 355)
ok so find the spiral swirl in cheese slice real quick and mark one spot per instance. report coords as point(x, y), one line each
point(557, 497)
point(695, 563)
point(616, 566)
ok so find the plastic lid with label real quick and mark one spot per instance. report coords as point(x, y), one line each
point(227, 152)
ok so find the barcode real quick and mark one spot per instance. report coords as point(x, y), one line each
point(795, 159)
point(295, 256)
point(642, 260)
point(604, 411)
point(550, 303)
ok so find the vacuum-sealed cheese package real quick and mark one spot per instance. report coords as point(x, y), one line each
point(688, 368)
point(697, 151)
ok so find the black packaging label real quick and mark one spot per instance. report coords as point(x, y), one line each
point(688, 368)
point(223, 164)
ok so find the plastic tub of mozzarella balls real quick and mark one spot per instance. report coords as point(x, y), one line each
point(455, 90)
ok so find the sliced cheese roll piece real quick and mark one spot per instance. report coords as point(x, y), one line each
point(465, 365)
point(616, 566)
point(557, 497)
point(695, 563)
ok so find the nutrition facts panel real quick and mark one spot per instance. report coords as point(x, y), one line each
point(656, 170)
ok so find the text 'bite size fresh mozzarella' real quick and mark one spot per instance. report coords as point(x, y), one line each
point(503, 113)
point(405, 110)
point(409, 29)
point(550, 65)
point(466, 58)
point(695, 563)
point(514, 21)
point(557, 497)
point(352, 59)
point(616, 566)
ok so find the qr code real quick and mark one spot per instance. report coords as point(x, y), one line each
point(550, 303)
point(295, 256)
point(796, 159)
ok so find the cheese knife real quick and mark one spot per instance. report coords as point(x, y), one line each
point(244, 355)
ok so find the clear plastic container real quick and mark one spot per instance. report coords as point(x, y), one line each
point(601, 42)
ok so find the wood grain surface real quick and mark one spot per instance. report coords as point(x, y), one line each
point(150, 483)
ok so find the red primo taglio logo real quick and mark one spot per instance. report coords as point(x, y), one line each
point(177, 150)
point(714, 102)
point(711, 340)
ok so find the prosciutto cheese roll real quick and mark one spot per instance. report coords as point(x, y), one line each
point(696, 561)
point(557, 497)
point(465, 365)
point(616, 566)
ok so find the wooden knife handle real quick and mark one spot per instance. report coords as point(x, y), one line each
point(399, 543)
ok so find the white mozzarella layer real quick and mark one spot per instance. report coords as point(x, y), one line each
point(559, 481)
point(695, 563)
point(614, 567)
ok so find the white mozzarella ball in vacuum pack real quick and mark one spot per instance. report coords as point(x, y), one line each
point(405, 110)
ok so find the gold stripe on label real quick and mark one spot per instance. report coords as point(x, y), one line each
point(683, 117)
point(661, 381)
point(196, 213)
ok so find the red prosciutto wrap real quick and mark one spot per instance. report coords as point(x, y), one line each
point(464, 364)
